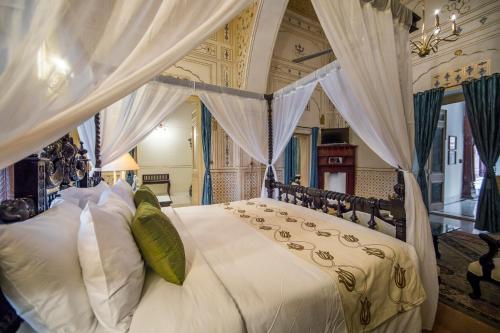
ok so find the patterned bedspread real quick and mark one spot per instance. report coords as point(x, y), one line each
point(377, 275)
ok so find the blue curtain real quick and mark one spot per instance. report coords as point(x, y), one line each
point(482, 101)
point(206, 139)
point(313, 176)
point(427, 107)
point(291, 160)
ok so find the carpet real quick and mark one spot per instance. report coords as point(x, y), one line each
point(458, 249)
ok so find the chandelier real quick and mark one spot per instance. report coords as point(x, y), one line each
point(429, 42)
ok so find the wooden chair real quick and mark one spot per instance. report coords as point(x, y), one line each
point(487, 268)
point(159, 178)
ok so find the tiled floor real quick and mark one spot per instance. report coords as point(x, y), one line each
point(466, 209)
point(464, 225)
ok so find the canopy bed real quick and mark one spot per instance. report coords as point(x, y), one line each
point(249, 277)
point(302, 262)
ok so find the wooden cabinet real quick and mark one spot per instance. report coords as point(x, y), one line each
point(337, 158)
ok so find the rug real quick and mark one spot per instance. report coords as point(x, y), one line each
point(458, 249)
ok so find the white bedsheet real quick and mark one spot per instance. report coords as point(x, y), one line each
point(264, 288)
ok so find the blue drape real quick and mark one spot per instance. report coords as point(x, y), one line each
point(206, 139)
point(427, 107)
point(482, 100)
point(313, 175)
point(291, 160)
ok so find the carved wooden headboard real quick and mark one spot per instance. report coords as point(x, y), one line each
point(39, 177)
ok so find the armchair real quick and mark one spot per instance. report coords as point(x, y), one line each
point(487, 268)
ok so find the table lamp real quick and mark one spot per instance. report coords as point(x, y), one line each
point(123, 163)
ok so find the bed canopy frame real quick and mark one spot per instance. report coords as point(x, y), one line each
point(63, 157)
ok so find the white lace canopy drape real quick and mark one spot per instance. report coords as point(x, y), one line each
point(288, 107)
point(63, 61)
point(373, 93)
point(243, 119)
point(127, 122)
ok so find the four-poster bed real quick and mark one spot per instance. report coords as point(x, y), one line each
point(332, 203)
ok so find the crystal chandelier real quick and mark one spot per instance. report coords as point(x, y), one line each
point(427, 43)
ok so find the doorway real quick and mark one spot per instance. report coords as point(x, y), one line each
point(453, 164)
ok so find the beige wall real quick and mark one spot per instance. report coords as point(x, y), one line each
point(168, 150)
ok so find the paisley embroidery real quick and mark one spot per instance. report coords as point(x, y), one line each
point(285, 234)
point(372, 251)
point(364, 315)
point(306, 238)
point(295, 246)
point(399, 276)
point(347, 279)
point(228, 208)
point(325, 255)
point(350, 238)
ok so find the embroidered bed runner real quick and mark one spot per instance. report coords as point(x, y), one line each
point(376, 275)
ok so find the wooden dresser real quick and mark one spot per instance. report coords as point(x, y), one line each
point(337, 158)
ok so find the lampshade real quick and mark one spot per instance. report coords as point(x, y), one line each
point(124, 163)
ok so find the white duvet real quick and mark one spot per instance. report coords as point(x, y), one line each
point(239, 281)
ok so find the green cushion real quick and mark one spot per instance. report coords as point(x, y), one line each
point(160, 244)
point(144, 193)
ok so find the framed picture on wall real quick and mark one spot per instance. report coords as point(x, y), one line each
point(452, 157)
point(452, 142)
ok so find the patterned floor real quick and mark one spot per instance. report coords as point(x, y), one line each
point(458, 249)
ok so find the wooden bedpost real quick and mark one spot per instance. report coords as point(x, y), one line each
point(399, 212)
point(270, 175)
point(97, 150)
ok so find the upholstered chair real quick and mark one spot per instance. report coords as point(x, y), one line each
point(487, 268)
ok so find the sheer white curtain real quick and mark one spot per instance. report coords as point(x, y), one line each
point(243, 119)
point(127, 122)
point(63, 61)
point(373, 93)
point(86, 132)
point(288, 106)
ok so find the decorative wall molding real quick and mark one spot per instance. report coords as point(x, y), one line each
point(244, 27)
point(460, 74)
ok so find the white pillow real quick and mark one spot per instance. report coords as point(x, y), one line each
point(84, 194)
point(123, 189)
point(112, 266)
point(40, 272)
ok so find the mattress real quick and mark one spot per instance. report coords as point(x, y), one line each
point(238, 280)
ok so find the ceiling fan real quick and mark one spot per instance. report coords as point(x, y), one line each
point(312, 56)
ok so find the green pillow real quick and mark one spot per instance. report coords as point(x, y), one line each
point(144, 193)
point(160, 244)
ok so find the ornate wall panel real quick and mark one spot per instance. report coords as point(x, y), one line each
point(225, 185)
point(376, 183)
point(244, 28)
